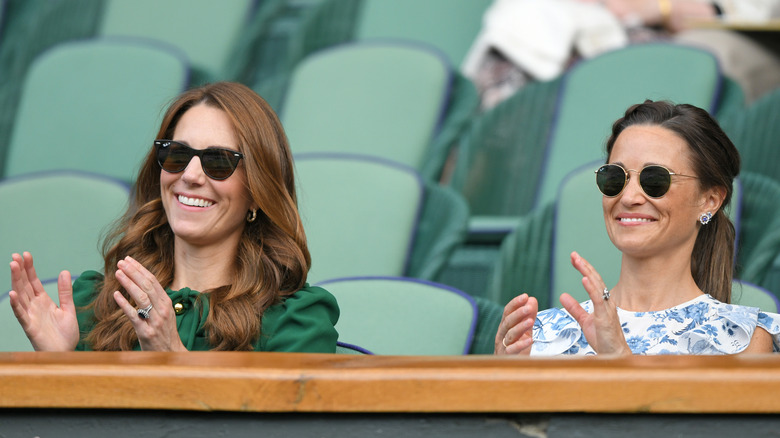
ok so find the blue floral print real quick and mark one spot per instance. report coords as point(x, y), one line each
point(703, 325)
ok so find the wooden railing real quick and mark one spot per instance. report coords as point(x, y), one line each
point(291, 382)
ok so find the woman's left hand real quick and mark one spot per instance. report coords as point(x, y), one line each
point(157, 332)
point(602, 327)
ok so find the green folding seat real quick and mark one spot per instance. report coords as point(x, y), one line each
point(94, 105)
point(59, 217)
point(208, 32)
point(379, 99)
point(403, 316)
point(367, 216)
point(449, 25)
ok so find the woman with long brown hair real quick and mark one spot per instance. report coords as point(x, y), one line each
point(666, 181)
point(211, 254)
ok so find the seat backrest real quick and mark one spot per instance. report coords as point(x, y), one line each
point(403, 316)
point(449, 25)
point(756, 133)
point(206, 31)
point(441, 232)
point(381, 99)
point(579, 226)
point(749, 294)
point(59, 218)
point(13, 337)
point(93, 105)
point(360, 214)
point(598, 91)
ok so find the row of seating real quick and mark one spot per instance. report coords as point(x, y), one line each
point(60, 214)
point(398, 102)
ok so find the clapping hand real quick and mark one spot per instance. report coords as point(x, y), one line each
point(48, 327)
point(515, 332)
point(156, 324)
point(602, 327)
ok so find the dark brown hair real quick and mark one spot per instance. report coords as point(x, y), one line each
point(272, 259)
point(716, 162)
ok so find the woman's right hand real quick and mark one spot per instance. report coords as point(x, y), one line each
point(515, 332)
point(48, 327)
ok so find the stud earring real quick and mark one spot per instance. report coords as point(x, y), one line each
point(251, 216)
point(705, 218)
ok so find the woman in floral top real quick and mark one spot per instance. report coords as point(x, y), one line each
point(668, 177)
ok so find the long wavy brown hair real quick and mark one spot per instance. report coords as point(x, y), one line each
point(716, 162)
point(272, 257)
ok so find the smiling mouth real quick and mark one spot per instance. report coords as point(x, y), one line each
point(634, 220)
point(195, 202)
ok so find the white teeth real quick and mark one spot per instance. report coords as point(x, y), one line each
point(194, 202)
point(634, 219)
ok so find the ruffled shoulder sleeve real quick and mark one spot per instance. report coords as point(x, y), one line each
point(730, 330)
point(557, 332)
point(771, 323)
point(304, 322)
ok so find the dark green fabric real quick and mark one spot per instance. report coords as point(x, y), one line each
point(303, 322)
point(498, 167)
point(755, 132)
point(441, 229)
point(489, 315)
point(731, 100)
point(524, 262)
point(759, 232)
point(461, 108)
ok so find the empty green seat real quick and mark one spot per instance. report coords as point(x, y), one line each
point(93, 105)
point(380, 99)
point(208, 32)
point(448, 25)
point(403, 316)
point(59, 217)
point(367, 216)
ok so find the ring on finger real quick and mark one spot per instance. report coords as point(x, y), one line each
point(503, 341)
point(144, 313)
point(605, 294)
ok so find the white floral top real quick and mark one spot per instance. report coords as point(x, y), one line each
point(703, 325)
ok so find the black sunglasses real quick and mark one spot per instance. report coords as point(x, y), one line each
point(217, 163)
point(655, 180)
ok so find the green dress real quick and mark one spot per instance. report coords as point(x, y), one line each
point(303, 322)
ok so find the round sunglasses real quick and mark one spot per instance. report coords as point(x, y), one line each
point(217, 163)
point(655, 180)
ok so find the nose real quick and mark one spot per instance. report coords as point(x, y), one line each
point(193, 173)
point(632, 193)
